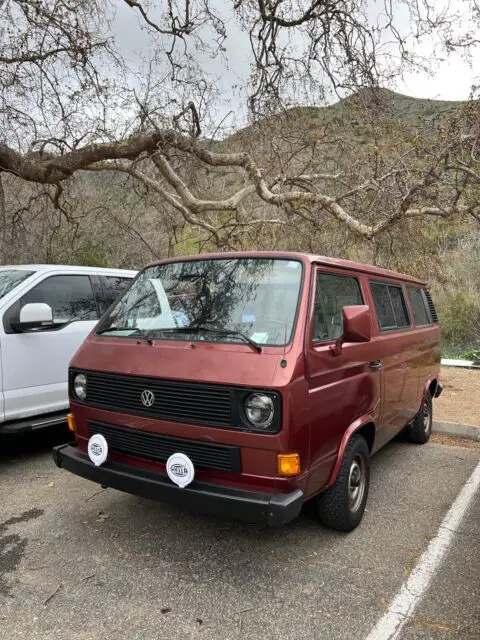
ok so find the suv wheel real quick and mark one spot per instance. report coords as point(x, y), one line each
point(341, 506)
point(420, 429)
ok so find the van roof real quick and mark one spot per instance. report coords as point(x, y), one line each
point(304, 257)
point(69, 267)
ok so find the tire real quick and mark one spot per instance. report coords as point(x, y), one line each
point(341, 507)
point(420, 429)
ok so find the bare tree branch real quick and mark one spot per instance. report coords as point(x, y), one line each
point(70, 103)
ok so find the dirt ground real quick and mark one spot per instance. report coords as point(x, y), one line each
point(451, 441)
point(460, 400)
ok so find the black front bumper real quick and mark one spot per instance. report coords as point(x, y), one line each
point(273, 509)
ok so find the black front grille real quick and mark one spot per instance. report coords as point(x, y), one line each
point(431, 306)
point(152, 446)
point(176, 401)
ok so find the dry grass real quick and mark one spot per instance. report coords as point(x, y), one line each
point(460, 400)
point(452, 441)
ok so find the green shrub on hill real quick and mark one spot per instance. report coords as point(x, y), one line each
point(459, 316)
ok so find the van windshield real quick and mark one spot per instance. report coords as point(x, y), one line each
point(224, 300)
point(11, 278)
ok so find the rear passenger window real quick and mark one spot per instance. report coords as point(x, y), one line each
point(419, 306)
point(390, 306)
point(332, 294)
point(113, 286)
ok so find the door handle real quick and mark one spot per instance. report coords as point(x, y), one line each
point(375, 364)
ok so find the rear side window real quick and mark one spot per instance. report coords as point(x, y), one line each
point(332, 294)
point(113, 287)
point(70, 297)
point(390, 306)
point(418, 303)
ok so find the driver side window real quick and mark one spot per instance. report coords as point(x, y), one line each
point(331, 295)
point(70, 298)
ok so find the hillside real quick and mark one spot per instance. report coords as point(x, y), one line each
point(358, 110)
point(412, 110)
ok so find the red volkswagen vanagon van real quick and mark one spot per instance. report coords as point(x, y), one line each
point(244, 384)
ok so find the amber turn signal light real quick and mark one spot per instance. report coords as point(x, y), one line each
point(288, 464)
point(71, 423)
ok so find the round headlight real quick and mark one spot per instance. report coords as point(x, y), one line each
point(259, 410)
point(80, 386)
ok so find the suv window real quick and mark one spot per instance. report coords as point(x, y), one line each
point(419, 306)
point(331, 295)
point(113, 287)
point(390, 306)
point(70, 297)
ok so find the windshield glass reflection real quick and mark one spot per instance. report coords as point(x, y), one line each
point(217, 300)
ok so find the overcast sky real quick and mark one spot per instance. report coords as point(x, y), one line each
point(450, 78)
point(451, 81)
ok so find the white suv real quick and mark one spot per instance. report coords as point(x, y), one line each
point(46, 313)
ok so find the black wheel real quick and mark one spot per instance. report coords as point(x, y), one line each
point(420, 429)
point(341, 506)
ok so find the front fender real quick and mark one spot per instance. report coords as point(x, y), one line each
point(351, 430)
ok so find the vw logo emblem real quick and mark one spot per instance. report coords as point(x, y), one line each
point(147, 398)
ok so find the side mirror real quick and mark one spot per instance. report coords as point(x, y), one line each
point(356, 327)
point(35, 315)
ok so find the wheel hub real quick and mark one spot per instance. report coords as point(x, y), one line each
point(356, 483)
point(356, 477)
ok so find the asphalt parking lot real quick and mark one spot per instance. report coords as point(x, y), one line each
point(81, 563)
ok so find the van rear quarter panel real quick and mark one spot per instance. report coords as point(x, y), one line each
point(427, 353)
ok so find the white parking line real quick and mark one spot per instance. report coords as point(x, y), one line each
point(404, 604)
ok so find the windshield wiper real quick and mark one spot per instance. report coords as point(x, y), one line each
point(137, 333)
point(219, 332)
point(234, 332)
point(107, 329)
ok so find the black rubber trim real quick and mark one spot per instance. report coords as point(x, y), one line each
point(34, 423)
point(272, 509)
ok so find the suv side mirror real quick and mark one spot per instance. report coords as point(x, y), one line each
point(356, 327)
point(36, 315)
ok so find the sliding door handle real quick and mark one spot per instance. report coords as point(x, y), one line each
point(375, 364)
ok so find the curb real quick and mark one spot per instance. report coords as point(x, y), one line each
point(461, 364)
point(456, 429)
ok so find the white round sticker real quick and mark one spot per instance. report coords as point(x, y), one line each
point(180, 469)
point(97, 449)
